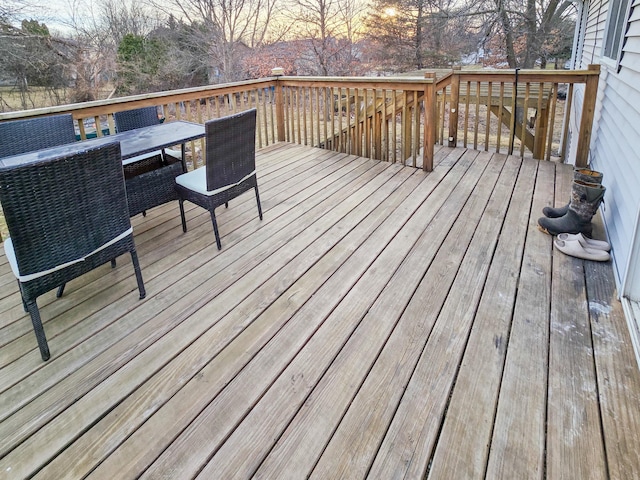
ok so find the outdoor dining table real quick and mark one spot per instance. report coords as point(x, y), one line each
point(133, 143)
point(148, 183)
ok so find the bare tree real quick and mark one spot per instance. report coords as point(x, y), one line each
point(31, 56)
point(220, 32)
point(331, 29)
point(530, 32)
point(95, 55)
point(415, 34)
point(10, 10)
point(99, 29)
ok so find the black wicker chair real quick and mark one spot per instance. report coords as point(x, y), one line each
point(230, 168)
point(149, 177)
point(66, 215)
point(138, 118)
point(21, 136)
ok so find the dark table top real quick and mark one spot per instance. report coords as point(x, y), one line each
point(132, 142)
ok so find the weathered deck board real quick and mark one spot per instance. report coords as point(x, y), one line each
point(470, 415)
point(380, 322)
point(617, 376)
point(517, 447)
point(573, 417)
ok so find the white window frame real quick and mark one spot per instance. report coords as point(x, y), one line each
point(615, 31)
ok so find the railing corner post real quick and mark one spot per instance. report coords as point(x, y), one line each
point(586, 120)
point(453, 107)
point(278, 72)
point(429, 121)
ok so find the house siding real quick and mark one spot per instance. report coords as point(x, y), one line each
point(615, 148)
point(594, 32)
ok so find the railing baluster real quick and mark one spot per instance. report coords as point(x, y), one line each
point(488, 120)
point(341, 138)
point(289, 105)
point(377, 126)
point(304, 114)
point(514, 108)
point(416, 129)
point(384, 150)
point(83, 133)
point(332, 110)
point(441, 114)
point(405, 132)
point(552, 119)
point(298, 113)
point(96, 121)
point(541, 121)
point(349, 145)
point(466, 114)
point(202, 146)
point(394, 126)
point(356, 122)
point(430, 101)
point(112, 123)
point(454, 107)
point(477, 117)
point(319, 117)
point(365, 122)
point(525, 117)
point(500, 117)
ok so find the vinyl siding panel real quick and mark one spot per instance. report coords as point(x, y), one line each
point(594, 32)
point(615, 154)
point(616, 135)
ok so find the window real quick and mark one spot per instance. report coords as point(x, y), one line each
point(616, 28)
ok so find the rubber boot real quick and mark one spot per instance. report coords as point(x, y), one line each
point(585, 200)
point(581, 175)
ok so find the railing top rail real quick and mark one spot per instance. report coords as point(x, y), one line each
point(363, 82)
point(512, 71)
point(111, 105)
point(533, 75)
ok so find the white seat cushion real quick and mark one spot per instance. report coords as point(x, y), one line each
point(173, 153)
point(196, 181)
point(11, 257)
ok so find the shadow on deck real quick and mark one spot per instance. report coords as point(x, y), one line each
point(379, 322)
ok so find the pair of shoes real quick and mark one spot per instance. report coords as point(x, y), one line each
point(585, 242)
point(585, 200)
point(582, 175)
point(575, 249)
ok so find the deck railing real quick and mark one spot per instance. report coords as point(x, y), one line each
point(476, 109)
point(389, 119)
point(396, 119)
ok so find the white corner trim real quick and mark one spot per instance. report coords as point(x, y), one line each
point(632, 315)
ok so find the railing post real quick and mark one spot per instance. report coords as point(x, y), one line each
point(277, 72)
point(453, 107)
point(429, 121)
point(586, 121)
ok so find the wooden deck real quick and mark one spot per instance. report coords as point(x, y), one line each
point(380, 322)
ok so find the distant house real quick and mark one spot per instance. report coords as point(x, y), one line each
point(608, 33)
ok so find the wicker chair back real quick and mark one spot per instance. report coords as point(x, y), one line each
point(138, 118)
point(61, 209)
point(231, 149)
point(21, 136)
